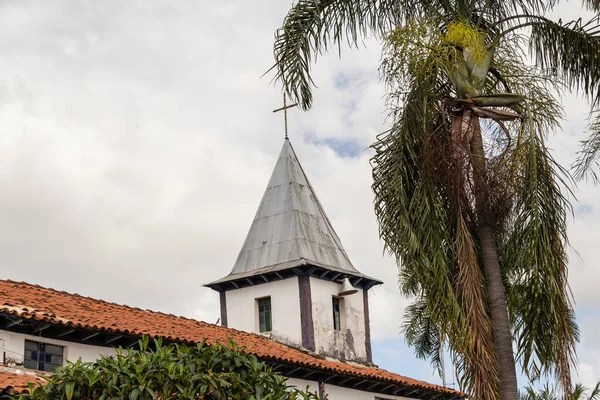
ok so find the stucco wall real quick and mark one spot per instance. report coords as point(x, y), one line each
point(301, 384)
point(349, 342)
point(341, 393)
point(242, 311)
point(14, 346)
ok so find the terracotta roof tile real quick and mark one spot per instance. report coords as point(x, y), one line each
point(18, 380)
point(34, 302)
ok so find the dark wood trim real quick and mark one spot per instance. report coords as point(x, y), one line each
point(111, 339)
point(64, 332)
point(89, 336)
point(380, 388)
point(360, 282)
point(367, 325)
point(94, 337)
point(306, 318)
point(12, 322)
point(223, 300)
point(41, 327)
point(322, 391)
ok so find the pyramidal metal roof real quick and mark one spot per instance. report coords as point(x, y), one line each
point(290, 229)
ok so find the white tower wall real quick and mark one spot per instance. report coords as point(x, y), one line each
point(349, 342)
point(242, 312)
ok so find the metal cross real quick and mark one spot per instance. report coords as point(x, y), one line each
point(284, 109)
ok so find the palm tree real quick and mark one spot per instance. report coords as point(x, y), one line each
point(580, 392)
point(468, 197)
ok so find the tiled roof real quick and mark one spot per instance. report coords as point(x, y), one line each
point(37, 303)
point(17, 379)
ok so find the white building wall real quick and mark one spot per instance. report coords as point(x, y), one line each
point(242, 309)
point(302, 384)
point(341, 393)
point(349, 342)
point(13, 344)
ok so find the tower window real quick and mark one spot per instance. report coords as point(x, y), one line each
point(337, 317)
point(264, 315)
point(42, 356)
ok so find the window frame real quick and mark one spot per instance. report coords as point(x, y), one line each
point(42, 356)
point(264, 315)
point(337, 317)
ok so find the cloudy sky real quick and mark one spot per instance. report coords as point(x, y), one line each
point(136, 139)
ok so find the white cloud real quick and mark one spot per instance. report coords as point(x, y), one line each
point(137, 138)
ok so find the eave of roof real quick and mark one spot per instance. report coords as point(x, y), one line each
point(26, 302)
point(288, 269)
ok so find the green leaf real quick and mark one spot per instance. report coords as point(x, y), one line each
point(69, 388)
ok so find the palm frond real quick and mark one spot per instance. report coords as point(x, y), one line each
point(544, 322)
point(408, 205)
point(498, 9)
point(578, 391)
point(595, 393)
point(422, 333)
point(551, 392)
point(477, 351)
point(586, 164)
point(593, 5)
point(536, 85)
point(572, 49)
point(311, 27)
point(528, 394)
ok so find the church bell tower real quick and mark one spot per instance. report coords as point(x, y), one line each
point(293, 280)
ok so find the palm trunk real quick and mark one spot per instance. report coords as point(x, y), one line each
point(491, 266)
